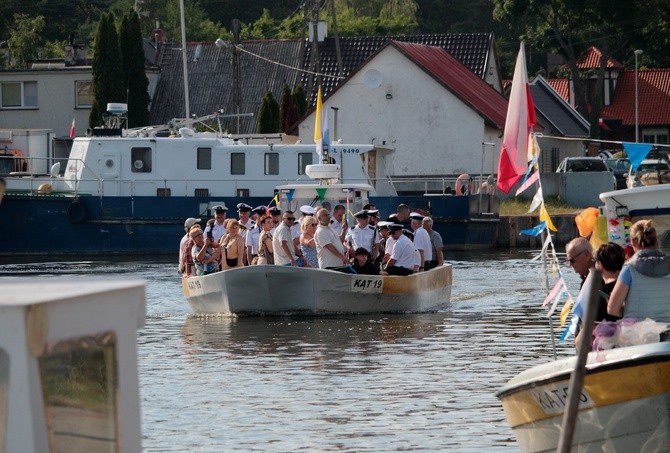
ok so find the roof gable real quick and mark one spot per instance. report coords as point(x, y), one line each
point(463, 83)
point(653, 98)
point(590, 59)
point(471, 49)
point(556, 111)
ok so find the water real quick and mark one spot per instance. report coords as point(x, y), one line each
point(358, 384)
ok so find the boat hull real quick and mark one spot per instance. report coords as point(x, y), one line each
point(269, 289)
point(624, 405)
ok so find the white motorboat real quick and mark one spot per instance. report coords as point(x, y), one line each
point(68, 365)
point(624, 403)
point(271, 289)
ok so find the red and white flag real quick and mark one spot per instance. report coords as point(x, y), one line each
point(520, 119)
point(72, 129)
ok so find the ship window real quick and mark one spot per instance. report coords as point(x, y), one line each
point(79, 386)
point(18, 94)
point(237, 164)
point(271, 163)
point(140, 159)
point(4, 394)
point(204, 158)
point(84, 93)
point(304, 159)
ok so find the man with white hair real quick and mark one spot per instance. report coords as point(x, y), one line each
point(421, 240)
point(436, 243)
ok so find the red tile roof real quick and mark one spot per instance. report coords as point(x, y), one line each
point(590, 59)
point(458, 79)
point(562, 87)
point(653, 98)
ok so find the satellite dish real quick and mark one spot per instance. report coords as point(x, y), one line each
point(372, 78)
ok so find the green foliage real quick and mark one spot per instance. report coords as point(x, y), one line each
point(132, 58)
point(287, 113)
point(108, 75)
point(24, 39)
point(300, 101)
point(198, 26)
point(52, 49)
point(268, 115)
point(264, 27)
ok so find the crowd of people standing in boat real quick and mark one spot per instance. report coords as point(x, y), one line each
point(320, 237)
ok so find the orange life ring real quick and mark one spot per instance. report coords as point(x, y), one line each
point(463, 185)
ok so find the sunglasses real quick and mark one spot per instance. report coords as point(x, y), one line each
point(572, 260)
point(290, 218)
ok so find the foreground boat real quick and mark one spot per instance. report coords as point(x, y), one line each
point(624, 404)
point(270, 289)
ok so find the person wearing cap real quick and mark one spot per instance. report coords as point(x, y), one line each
point(282, 243)
point(373, 217)
point(305, 210)
point(436, 243)
point(217, 225)
point(275, 213)
point(421, 240)
point(205, 258)
point(184, 256)
point(362, 235)
point(251, 239)
point(330, 251)
point(384, 238)
point(402, 257)
point(338, 221)
point(246, 224)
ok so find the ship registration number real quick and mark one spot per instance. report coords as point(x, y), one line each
point(370, 285)
point(554, 398)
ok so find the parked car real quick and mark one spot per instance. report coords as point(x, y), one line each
point(571, 164)
point(619, 167)
point(659, 166)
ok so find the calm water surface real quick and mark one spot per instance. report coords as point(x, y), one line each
point(357, 384)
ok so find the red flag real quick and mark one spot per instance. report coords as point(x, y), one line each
point(72, 129)
point(520, 119)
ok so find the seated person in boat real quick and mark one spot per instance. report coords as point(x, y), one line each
point(641, 290)
point(609, 260)
point(330, 251)
point(362, 235)
point(579, 254)
point(362, 264)
point(205, 257)
point(185, 245)
point(265, 252)
point(402, 258)
point(307, 244)
point(417, 255)
point(282, 243)
point(233, 246)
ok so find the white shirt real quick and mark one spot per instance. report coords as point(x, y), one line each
point(336, 226)
point(282, 233)
point(183, 248)
point(403, 252)
point(422, 242)
point(217, 231)
point(325, 235)
point(251, 238)
point(365, 237)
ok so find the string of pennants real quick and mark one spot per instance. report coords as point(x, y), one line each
point(617, 228)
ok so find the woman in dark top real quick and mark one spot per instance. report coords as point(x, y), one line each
point(609, 260)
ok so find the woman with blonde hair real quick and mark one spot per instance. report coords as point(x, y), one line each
point(265, 252)
point(307, 244)
point(641, 290)
point(232, 244)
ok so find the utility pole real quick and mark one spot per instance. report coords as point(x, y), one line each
point(340, 71)
point(237, 90)
point(315, 66)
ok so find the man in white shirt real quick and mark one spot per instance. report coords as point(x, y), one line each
point(402, 257)
point(362, 235)
point(329, 249)
point(338, 221)
point(421, 240)
point(282, 243)
point(217, 225)
point(251, 239)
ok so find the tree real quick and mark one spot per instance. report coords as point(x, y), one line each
point(287, 113)
point(108, 75)
point(300, 101)
point(24, 39)
point(132, 59)
point(268, 115)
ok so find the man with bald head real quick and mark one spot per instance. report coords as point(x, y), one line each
point(579, 254)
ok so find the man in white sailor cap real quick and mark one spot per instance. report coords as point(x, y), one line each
point(184, 249)
point(251, 238)
point(402, 259)
point(217, 224)
point(362, 235)
point(421, 239)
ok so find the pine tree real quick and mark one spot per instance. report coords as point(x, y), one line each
point(268, 115)
point(300, 101)
point(108, 76)
point(287, 114)
point(136, 82)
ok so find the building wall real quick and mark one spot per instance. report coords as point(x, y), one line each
point(56, 100)
point(432, 132)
